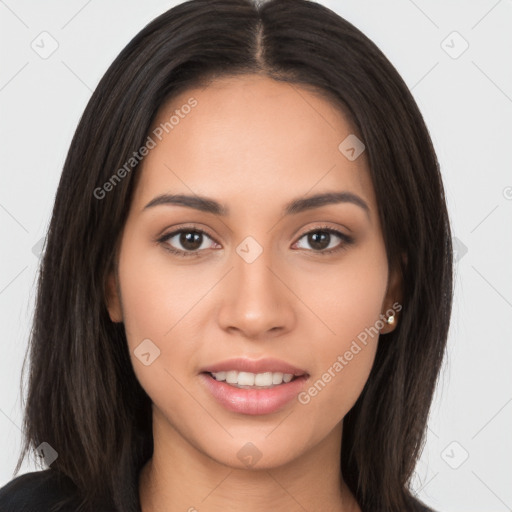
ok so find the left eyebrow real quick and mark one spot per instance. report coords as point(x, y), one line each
point(209, 205)
point(318, 200)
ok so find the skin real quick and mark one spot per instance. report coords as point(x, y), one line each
point(253, 144)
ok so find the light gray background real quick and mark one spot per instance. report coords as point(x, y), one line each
point(467, 104)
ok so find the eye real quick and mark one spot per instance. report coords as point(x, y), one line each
point(191, 240)
point(320, 238)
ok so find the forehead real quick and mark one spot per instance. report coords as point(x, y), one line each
point(249, 139)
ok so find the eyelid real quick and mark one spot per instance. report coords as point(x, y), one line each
point(186, 227)
point(325, 227)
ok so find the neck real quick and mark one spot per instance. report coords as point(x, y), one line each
point(180, 478)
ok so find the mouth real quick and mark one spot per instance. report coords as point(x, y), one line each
point(253, 387)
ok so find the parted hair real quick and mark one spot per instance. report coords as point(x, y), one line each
point(83, 397)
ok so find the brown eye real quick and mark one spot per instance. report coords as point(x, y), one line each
point(190, 240)
point(323, 240)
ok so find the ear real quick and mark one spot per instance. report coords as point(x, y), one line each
point(113, 298)
point(392, 303)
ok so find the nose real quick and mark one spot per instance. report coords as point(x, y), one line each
point(257, 301)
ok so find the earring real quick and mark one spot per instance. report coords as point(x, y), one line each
point(390, 319)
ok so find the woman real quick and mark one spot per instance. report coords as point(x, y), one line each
point(246, 287)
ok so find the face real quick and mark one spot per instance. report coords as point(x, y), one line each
point(198, 287)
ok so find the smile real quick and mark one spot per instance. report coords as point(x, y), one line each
point(248, 380)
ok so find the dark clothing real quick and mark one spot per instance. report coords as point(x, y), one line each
point(41, 491)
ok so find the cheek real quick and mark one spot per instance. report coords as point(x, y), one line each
point(156, 294)
point(347, 296)
point(349, 304)
point(155, 304)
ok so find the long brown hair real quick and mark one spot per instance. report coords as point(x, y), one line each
point(83, 397)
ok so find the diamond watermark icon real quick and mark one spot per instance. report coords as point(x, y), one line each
point(249, 454)
point(454, 455)
point(37, 249)
point(351, 147)
point(454, 45)
point(459, 249)
point(146, 352)
point(44, 45)
point(249, 249)
point(46, 453)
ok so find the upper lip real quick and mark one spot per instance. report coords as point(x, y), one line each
point(255, 366)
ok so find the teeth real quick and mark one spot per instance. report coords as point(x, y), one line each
point(277, 378)
point(247, 379)
point(231, 377)
point(263, 379)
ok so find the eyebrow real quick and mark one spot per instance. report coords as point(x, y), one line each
point(209, 205)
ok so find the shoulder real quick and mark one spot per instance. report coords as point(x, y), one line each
point(39, 491)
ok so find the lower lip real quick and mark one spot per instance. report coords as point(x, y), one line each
point(253, 401)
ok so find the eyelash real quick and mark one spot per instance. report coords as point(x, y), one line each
point(345, 240)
